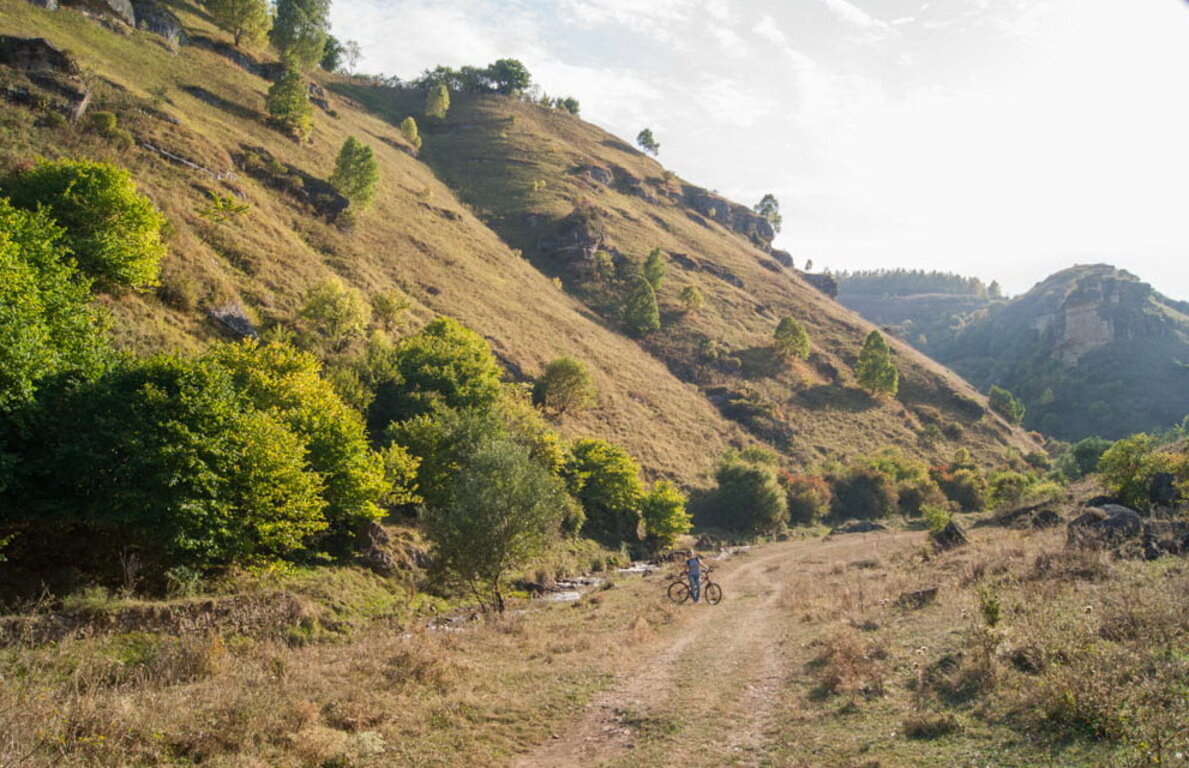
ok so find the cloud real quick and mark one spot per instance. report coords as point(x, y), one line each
point(768, 29)
point(729, 41)
point(853, 14)
point(657, 20)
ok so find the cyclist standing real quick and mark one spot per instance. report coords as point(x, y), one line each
point(693, 568)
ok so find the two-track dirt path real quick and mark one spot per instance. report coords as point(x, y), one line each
point(710, 692)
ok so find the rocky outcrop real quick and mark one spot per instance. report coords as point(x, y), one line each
point(53, 76)
point(156, 18)
point(233, 320)
point(596, 174)
point(733, 216)
point(784, 257)
point(950, 537)
point(36, 54)
point(823, 282)
point(117, 9)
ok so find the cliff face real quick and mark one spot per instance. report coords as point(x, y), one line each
point(1091, 350)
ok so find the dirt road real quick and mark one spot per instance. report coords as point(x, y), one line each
point(712, 692)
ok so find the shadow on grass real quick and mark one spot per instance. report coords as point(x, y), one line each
point(836, 397)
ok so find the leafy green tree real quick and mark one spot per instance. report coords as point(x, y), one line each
point(569, 104)
point(769, 208)
point(809, 498)
point(285, 382)
point(655, 268)
point(1082, 457)
point(509, 76)
point(174, 463)
point(691, 298)
point(112, 229)
point(356, 172)
point(246, 20)
point(665, 517)
point(606, 481)
point(334, 314)
point(565, 387)
point(640, 311)
point(647, 142)
point(503, 510)
point(288, 103)
point(791, 339)
point(875, 370)
point(388, 306)
point(1127, 468)
point(749, 498)
point(437, 101)
point(1006, 405)
point(332, 54)
point(1006, 488)
point(445, 365)
point(300, 29)
point(48, 325)
point(408, 129)
point(864, 492)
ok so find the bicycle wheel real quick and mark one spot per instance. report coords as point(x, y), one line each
point(713, 593)
point(679, 591)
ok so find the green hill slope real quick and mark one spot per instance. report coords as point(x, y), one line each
point(476, 229)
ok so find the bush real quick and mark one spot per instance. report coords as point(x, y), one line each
point(791, 339)
point(1006, 405)
point(333, 314)
point(408, 129)
point(1127, 467)
point(655, 268)
point(437, 101)
point(112, 229)
point(691, 298)
point(565, 386)
point(748, 499)
point(665, 517)
point(864, 492)
point(356, 172)
point(640, 312)
point(1081, 458)
point(966, 487)
point(936, 518)
point(1007, 488)
point(289, 105)
point(606, 480)
point(809, 498)
point(875, 370)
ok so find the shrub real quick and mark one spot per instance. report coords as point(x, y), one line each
point(288, 103)
point(809, 498)
point(47, 323)
point(606, 480)
point(52, 120)
point(748, 499)
point(864, 492)
point(334, 314)
point(664, 515)
point(791, 339)
point(640, 312)
point(111, 228)
point(503, 510)
point(565, 386)
point(936, 518)
point(1127, 467)
point(966, 487)
point(691, 298)
point(1006, 405)
point(103, 123)
point(1007, 488)
point(928, 727)
point(875, 370)
point(437, 101)
point(654, 268)
point(1082, 457)
point(356, 172)
point(408, 129)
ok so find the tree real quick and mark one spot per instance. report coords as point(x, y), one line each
point(300, 29)
point(569, 104)
point(246, 20)
point(1006, 405)
point(749, 498)
point(334, 313)
point(769, 208)
point(791, 339)
point(640, 311)
point(47, 323)
point(408, 129)
point(994, 291)
point(509, 76)
point(352, 54)
point(445, 365)
point(606, 481)
point(565, 386)
point(809, 498)
point(691, 298)
point(388, 306)
point(503, 510)
point(864, 492)
point(654, 268)
point(1127, 468)
point(113, 231)
point(875, 370)
point(1082, 457)
point(809, 265)
point(356, 172)
point(332, 54)
point(288, 103)
point(647, 142)
point(437, 101)
point(665, 517)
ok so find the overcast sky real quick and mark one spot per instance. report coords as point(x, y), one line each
point(1000, 138)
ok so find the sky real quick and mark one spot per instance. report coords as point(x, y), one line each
point(1005, 139)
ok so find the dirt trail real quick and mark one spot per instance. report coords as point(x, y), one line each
point(709, 692)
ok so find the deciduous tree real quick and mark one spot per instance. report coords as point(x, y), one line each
point(247, 20)
point(300, 29)
point(565, 386)
point(648, 142)
point(356, 172)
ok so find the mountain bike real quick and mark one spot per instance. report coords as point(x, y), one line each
point(681, 589)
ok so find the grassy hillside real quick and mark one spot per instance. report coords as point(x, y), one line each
point(497, 175)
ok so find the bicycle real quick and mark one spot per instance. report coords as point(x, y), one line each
point(680, 589)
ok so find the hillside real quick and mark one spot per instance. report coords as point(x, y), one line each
point(475, 228)
point(1091, 350)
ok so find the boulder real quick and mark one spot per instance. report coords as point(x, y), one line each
point(596, 173)
point(233, 319)
point(1045, 518)
point(36, 54)
point(1163, 490)
point(950, 537)
point(159, 20)
point(859, 526)
point(49, 5)
point(784, 257)
point(1099, 501)
point(1105, 527)
point(119, 9)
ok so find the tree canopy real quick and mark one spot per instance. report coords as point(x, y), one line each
point(288, 102)
point(437, 101)
point(300, 29)
point(875, 370)
point(565, 386)
point(247, 20)
point(791, 339)
point(769, 208)
point(356, 172)
point(640, 311)
point(647, 142)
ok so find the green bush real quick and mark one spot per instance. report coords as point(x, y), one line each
point(606, 481)
point(641, 314)
point(1006, 405)
point(875, 370)
point(864, 492)
point(809, 498)
point(1081, 458)
point(966, 487)
point(665, 516)
point(356, 172)
point(936, 517)
point(112, 229)
point(655, 268)
point(791, 339)
point(1007, 488)
point(691, 298)
point(748, 499)
point(333, 314)
point(103, 123)
point(47, 323)
point(408, 129)
point(289, 105)
point(565, 386)
point(1127, 468)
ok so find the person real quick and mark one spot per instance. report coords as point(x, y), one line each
point(693, 568)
